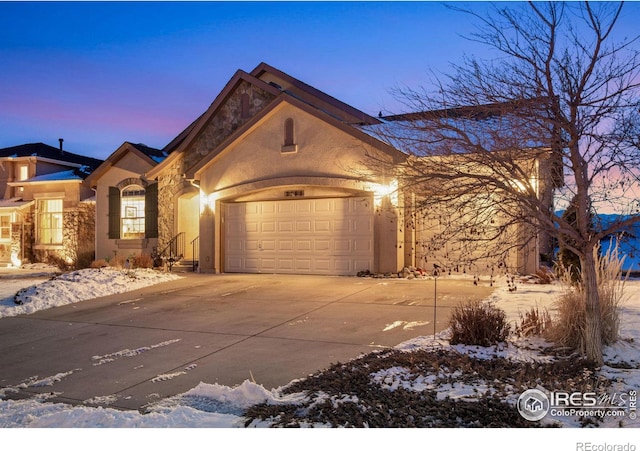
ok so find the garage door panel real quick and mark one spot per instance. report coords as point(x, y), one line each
point(235, 245)
point(324, 205)
point(303, 207)
point(250, 209)
point(342, 245)
point(303, 226)
point(285, 226)
point(362, 245)
point(285, 245)
point(303, 265)
point(341, 225)
point(251, 245)
point(284, 207)
point(323, 225)
point(268, 264)
point(363, 225)
point(235, 211)
point(304, 245)
point(264, 208)
point(267, 245)
point(268, 226)
point(235, 264)
point(307, 236)
point(322, 245)
point(251, 264)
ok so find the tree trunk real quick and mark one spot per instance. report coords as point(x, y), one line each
point(593, 318)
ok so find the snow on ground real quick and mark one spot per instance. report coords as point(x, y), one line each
point(217, 406)
point(72, 287)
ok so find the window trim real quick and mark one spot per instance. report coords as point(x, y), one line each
point(134, 215)
point(57, 231)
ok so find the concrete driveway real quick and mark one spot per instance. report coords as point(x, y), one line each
point(132, 349)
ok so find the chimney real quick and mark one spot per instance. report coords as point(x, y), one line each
point(61, 140)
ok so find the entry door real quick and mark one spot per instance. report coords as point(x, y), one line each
point(332, 236)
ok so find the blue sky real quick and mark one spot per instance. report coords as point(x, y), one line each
point(99, 74)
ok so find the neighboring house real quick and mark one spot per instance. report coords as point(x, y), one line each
point(275, 177)
point(126, 202)
point(46, 209)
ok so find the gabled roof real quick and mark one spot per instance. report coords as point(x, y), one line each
point(187, 136)
point(314, 96)
point(265, 77)
point(273, 106)
point(52, 153)
point(149, 154)
point(156, 155)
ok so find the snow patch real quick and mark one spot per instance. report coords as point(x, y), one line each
point(102, 359)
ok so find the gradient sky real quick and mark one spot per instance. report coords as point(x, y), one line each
point(99, 74)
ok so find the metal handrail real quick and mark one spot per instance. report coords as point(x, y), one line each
point(195, 252)
point(175, 248)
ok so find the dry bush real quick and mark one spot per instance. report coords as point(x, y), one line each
point(545, 275)
point(569, 326)
point(101, 263)
point(534, 322)
point(478, 323)
point(142, 261)
point(117, 262)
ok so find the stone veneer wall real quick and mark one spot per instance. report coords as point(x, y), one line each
point(22, 239)
point(227, 120)
point(78, 239)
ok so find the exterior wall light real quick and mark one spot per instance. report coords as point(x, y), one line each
point(381, 191)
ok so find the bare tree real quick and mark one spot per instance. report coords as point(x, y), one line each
point(555, 113)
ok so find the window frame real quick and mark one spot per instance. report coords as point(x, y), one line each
point(132, 212)
point(54, 233)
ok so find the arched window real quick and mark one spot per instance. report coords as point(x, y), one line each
point(132, 211)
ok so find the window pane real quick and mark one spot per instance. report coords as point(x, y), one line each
point(5, 227)
point(50, 221)
point(132, 212)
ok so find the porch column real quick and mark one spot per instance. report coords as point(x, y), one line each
point(388, 238)
point(207, 240)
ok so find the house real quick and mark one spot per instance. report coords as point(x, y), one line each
point(275, 177)
point(46, 208)
point(126, 202)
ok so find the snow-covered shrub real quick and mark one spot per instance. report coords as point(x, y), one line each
point(478, 323)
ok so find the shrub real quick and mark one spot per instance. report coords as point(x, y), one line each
point(569, 327)
point(117, 262)
point(478, 323)
point(102, 263)
point(534, 322)
point(56, 260)
point(545, 275)
point(142, 261)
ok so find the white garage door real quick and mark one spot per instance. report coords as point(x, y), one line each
point(309, 236)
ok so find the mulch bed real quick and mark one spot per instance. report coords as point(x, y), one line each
point(345, 395)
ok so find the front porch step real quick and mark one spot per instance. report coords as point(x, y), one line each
point(184, 266)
